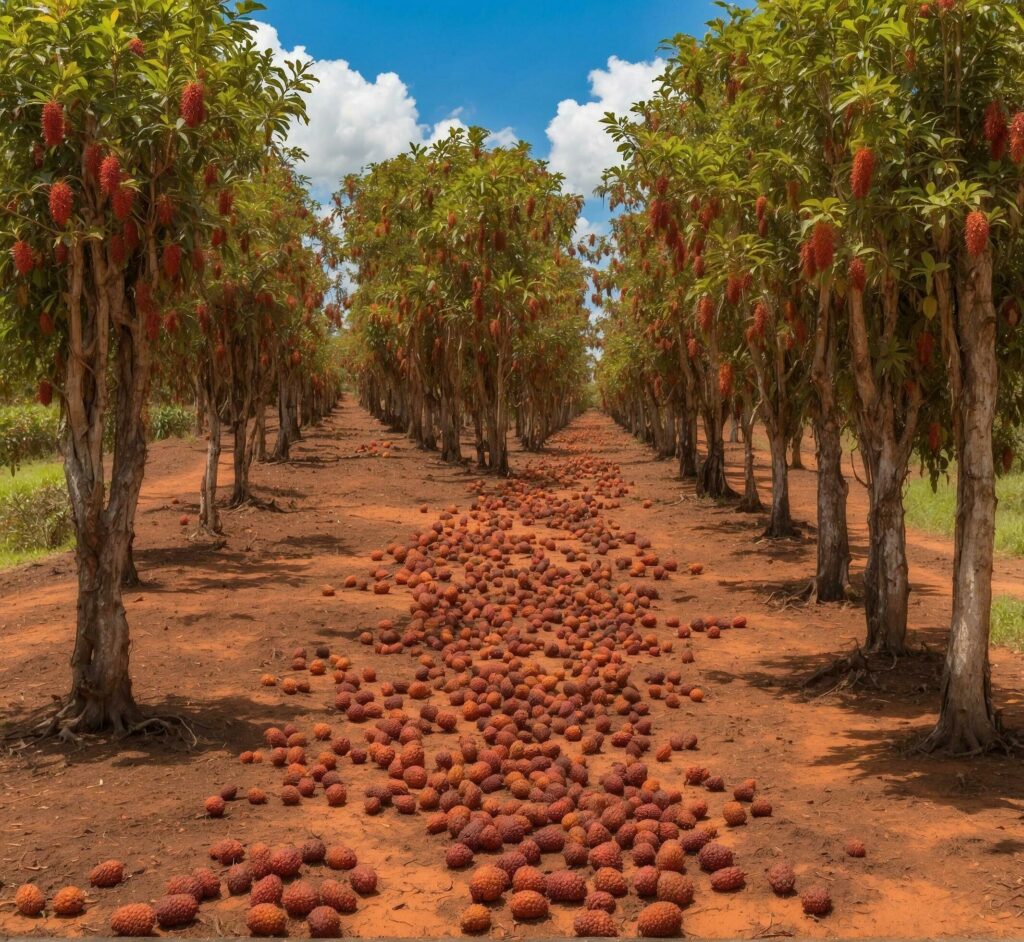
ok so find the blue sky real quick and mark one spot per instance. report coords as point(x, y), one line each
point(544, 70)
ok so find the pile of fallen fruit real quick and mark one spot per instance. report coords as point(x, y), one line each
point(526, 726)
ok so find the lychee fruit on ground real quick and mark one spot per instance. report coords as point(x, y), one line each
point(487, 883)
point(340, 857)
point(781, 878)
point(817, 901)
point(714, 856)
point(728, 880)
point(29, 900)
point(594, 924)
point(338, 896)
point(215, 806)
point(239, 879)
point(266, 919)
point(173, 912)
point(107, 874)
point(565, 886)
point(300, 899)
point(185, 884)
point(324, 923)
point(660, 921)
point(266, 890)
point(675, 888)
point(135, 919)
point(528, 904)
point(69, 901)
point(734, 814)
point(761, 808)
point(363, 879)
point(856, 848)
point(475, 919)
point(209, 882)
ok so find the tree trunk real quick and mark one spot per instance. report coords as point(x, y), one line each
point(967, 720)
point(780, 523)
point(886, 583)
point(833, 571)
point(688, 457)
point(751, 501)
point(711, 480)
point(240, 492)
point(101, 691)
point(796, 444)
point(101, 688)
point(209, 518)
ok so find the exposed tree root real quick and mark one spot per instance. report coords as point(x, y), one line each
point(849, 671)
point(74, 721)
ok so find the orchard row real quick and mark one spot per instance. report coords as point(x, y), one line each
point(821, 222)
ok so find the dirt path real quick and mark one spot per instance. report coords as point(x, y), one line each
point(944, 845)
point(930, 556)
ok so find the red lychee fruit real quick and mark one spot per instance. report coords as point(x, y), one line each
point(862, 172)
point(29, 900)
point(110, 175)
point(173, 912)
point(107, 874)
point(135, 919)
point(69, 901)
point(266, 919)
point(24, 257)
point(53, 123)
point(660, 920)
point(62, 202)
point(475, 919)
point(594, 924)
point(193, 104)
point(817, 901)
point(976, 233)
point(823, 238)
point(324, 923)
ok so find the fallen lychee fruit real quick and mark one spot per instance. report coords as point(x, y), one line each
point(817, 901)
point(135, 919)
point(107, 874)
point(594, 924)
point(173, 912)
point(29, 900)
point(324, 923)
point(660, 920)
point(69, 901)
point(781, 878)
point(475, 919)
point(266, 919)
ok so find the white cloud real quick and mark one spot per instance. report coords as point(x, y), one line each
point(584, 228)
point(353, 121)
point(580, 147)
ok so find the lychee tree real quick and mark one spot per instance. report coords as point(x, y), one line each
point(462, 254)
point(114, 118)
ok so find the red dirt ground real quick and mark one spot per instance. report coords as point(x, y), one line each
point(944, 838)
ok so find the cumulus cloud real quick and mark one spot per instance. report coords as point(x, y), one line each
point(580, 147)
point(353, 121)
point(585, 227)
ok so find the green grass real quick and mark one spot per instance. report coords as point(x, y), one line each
point(936, 512)
point(35, 519)
point(1008, 622)
point(31, 476)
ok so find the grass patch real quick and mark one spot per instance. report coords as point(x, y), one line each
point(35, 517)
point(1008, 622)
point(935, 512)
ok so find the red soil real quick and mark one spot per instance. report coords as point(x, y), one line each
point(943, 838)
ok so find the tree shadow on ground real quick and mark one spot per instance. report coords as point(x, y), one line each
point(232, 723)
point(898, 702)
